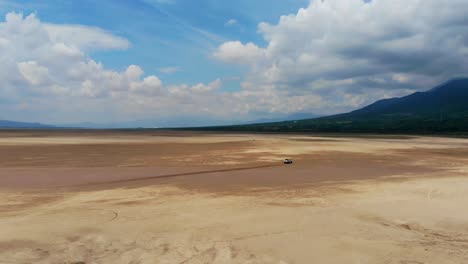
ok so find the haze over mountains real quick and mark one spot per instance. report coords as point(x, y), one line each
point(14, 124)
point(157, 122)
point(441, 109)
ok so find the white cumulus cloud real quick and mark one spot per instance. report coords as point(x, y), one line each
point(238, 53)
point(342, 49)
point(46, 68)
point(34, 73)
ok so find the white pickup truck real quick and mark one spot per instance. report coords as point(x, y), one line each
point(287, 161)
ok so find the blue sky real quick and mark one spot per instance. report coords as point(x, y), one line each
point(186, 62)
point(179, 34)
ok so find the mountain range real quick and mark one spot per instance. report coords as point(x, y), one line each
point(443, 109)
point(14, 124)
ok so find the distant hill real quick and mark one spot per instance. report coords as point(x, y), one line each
point(451, 97)
point(443, 109)
point(296, 116)
point(14, 124)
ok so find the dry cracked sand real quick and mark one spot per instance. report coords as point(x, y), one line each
point(86, 197)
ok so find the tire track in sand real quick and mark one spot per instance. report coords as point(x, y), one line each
point(174, 175)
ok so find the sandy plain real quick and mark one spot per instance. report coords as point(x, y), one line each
point(87, 197)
